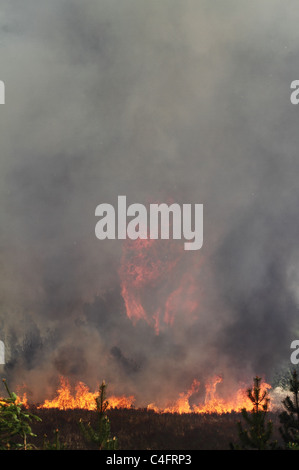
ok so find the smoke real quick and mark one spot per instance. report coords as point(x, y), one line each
point(152, 100)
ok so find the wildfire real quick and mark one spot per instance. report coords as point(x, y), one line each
point(181, 405)
point(212, 402)
point(20, 400)
point(148, 270)
point(83, 398)
point(23, 400)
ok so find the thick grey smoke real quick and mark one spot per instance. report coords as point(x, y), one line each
point(153, 100)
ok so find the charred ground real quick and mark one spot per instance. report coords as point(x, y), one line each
point(141, 429)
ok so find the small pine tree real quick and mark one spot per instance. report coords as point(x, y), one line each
point(14, 423)
point(259, 431)
point(56, 445)
point(289, 418)
point(100, 436)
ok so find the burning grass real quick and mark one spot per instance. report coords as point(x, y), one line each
point(178, 427)
point(80, 397)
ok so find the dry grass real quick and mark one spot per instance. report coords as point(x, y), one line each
point(142, 429)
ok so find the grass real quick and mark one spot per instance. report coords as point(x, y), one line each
point(138, 429)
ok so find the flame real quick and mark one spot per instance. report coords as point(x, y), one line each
point(83, 398)
point(149, 270)
point(21, 400)
point(212, 402)
point(182, 404)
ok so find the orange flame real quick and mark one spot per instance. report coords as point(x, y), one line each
point(21, 400)
point(148, 268)
point(181, 405)
point(212, 402)
point(83, 398)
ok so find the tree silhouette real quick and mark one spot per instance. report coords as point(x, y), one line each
point(100, 436)
point(259, 430)
point(289, 418)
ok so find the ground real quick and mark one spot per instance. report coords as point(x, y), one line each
point(142, 429)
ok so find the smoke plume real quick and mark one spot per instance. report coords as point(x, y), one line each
point(161, 100)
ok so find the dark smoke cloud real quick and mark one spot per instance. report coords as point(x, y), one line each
point(154, 100)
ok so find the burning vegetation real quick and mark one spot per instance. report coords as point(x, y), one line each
point(18, 425)
point(80, 397)
point(163, 302)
